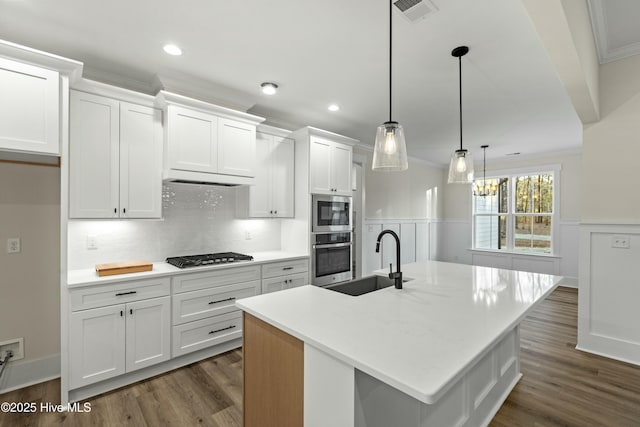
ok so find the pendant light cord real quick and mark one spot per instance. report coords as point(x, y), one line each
point(390, 50)
point(460, 92)
point(484, 167)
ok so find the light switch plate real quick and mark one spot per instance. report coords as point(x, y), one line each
point(13, 245)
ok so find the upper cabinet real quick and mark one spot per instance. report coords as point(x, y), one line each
point(207, 143)
point(115, 151)
point(272, 194)
point(29, 108)
point(329, 167)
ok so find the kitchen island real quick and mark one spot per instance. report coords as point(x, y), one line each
point(443, 351)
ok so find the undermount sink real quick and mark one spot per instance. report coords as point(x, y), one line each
point(363, 285)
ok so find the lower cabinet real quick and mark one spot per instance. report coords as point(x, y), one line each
point(110, 341)
point(277, 276)
point(206, 314)
point(118, 328)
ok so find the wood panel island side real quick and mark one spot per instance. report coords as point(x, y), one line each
point(443, 351)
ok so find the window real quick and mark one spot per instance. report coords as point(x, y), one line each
point(520, 217)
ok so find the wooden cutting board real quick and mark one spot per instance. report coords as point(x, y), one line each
point(123, 267)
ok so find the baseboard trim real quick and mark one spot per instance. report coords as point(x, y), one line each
point(569, 282)
point(24, 373)
point(608, 355)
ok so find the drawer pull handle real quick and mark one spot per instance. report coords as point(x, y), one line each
point(222, 300)
point(287, 268)
point(126, 293)
point(223, 329)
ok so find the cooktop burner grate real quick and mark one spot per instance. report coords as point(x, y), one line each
point(207, 259)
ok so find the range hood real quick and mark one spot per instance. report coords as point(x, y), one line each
point(202, 178)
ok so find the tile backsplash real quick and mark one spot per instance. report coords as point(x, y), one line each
point(196, 219)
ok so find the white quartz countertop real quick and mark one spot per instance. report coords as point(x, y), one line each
point(88, 276)
point(419, 339)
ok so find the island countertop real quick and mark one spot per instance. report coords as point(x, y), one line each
point(420, 339)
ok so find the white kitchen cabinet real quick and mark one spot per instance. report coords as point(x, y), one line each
point(192, 140)
point(29, 108)
point(204, 310)
point(277, 276)
point(115, 158)
point(96, 347)
point(236, 148)
point(272, 196)
point(329, 167)
point(110, 341)
point(208, 143)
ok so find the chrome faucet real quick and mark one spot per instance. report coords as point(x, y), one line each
point(397, 276)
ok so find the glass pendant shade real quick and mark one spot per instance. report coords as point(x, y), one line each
point(461, 168)
point(390, 151)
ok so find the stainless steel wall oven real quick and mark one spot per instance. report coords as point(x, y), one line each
point(331, 258)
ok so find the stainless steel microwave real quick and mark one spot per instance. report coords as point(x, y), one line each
point(330, 213)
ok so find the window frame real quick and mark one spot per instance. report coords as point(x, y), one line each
point(511, 174)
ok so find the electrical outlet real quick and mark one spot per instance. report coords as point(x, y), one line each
point(247, 235)
point(16, 346)
point(13, 245)
point(620, 241)
point(92, 241)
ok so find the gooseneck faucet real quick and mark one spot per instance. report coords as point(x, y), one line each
point(397, 276)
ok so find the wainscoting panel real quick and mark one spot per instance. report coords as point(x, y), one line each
point(609, 291)
point(418, 238)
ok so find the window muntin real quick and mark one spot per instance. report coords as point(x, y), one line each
point(520, 217)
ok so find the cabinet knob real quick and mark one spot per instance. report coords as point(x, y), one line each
point(275, 212)
point(124, 210)
point(115, 210)
point(270, 212)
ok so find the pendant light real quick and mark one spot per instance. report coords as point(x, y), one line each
point(484, 189)
point(390, 151)
point(461, 166)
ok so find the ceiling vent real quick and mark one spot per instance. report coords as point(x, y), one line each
point(416, 10)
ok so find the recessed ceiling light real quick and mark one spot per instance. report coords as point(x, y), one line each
point(334, 107)
point(172, 49)
point(269, 88)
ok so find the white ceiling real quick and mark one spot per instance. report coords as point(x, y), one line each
point(321, 52)
point(616, 28)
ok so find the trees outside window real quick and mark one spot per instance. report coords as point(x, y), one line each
point(520, 217)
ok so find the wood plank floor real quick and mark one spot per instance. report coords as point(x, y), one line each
point(560, 387)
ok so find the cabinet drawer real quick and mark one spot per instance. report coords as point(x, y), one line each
point(285, 267)
point(209, 279)
point(205, 333)
point(189, 306)
point(118, 293)
point(284, 282)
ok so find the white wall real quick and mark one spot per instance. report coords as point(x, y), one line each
point(29, 281)
point(196, 219)
point(415, 193)
point(455, 237)
point(408, 202)
point(609, 291)
point(611, 150)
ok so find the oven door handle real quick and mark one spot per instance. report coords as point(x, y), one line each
point(331, 245)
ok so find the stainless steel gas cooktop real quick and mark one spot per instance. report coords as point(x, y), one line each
point(207, 259)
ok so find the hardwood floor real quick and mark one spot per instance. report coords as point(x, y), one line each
point(207, 393)
point(560, 387)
